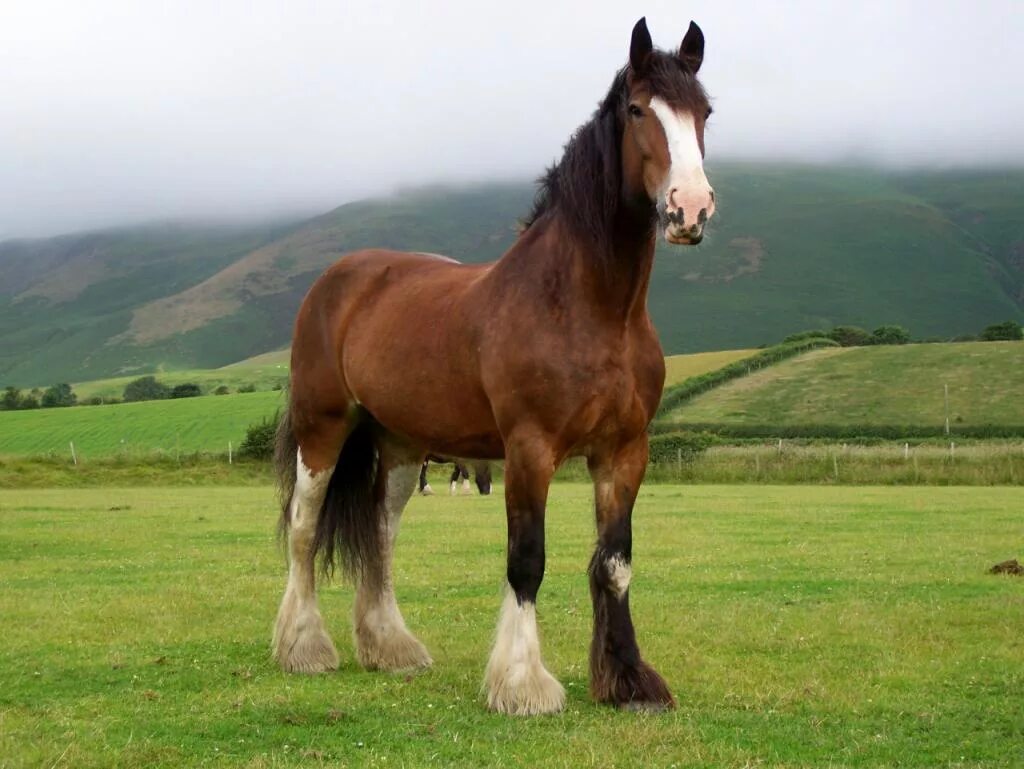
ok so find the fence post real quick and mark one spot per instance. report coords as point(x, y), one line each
point(679, 463)
point(835, 466)
point(952, 450)
point(945, 398)
point(230, 459)
point(74, 458)
point(780, 445)
point(906, 451)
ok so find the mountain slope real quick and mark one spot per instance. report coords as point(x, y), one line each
point(790, 248)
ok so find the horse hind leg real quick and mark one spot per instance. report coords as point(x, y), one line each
point(301, 643)
point(382, 640)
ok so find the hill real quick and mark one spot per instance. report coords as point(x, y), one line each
point(791, 248)
point(878, 386)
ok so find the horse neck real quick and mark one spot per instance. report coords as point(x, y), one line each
point(617, 281)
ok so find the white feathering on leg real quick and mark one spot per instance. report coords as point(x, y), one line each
point(516, 681)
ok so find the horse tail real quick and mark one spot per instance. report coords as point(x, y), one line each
point(285, 451)
point(348, 530)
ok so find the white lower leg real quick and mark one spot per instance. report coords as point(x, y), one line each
point(466, 488)
point(301, 643)
point(516, 680)
point(382, 640)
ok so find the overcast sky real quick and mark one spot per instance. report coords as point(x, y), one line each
point(120, 112)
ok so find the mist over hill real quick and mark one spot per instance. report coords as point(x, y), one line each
point(791, 247)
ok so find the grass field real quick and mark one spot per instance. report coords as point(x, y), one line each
point(891, 385)
point(170, 426)
point(680, 367)
point(193, 424)
point(262, 372)
point(798, 627)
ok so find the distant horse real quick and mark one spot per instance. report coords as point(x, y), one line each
point(554, 354)
point(461, 471)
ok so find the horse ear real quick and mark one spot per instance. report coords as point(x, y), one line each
point(640, 47)
point(692, 49)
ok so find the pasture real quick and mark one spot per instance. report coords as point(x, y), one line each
point(182, 425)
point(681, 367)
point(798, 627)
point(886, 385)
point(264, 372)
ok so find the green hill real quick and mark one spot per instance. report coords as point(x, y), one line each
point(791, 248)
point(878, 386)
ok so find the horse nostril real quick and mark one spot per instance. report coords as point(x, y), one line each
point(671, 196)
point(712, 195)
point(702, 216)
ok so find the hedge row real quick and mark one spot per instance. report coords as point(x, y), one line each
point(848, 432)
point(678, 394)
point(671, 447)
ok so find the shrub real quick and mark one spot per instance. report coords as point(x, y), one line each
point(29, 402)
point(145, 389)
point(1009, 331)
point(222, 390)
point(686, 445)
point(186, 390)
point(849, 336)
point(802, 335)
point(58, 396)
point(249, 388)
point(11, 399)
point(890, 335)
point(259, 439)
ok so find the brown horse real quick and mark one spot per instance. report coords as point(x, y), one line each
point(562, 361)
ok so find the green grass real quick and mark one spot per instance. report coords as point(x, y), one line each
point(262, 372)
point(680, 367)
point(183, 425)
point(897, 385)
point(805, 627)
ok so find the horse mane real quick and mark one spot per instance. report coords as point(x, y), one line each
point(585, 186)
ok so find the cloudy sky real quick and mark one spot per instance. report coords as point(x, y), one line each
point(120, 112)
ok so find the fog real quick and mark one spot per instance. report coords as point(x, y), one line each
point(122, 112)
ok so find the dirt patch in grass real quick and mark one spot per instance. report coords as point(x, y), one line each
point(1008, 567)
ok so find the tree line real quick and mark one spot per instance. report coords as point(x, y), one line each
point(146, 388)
point(854, 336)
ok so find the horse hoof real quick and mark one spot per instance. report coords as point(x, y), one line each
point(399, 651)
point(635, 688)
point(529, 691)
point(308, 652)
point(427, 491)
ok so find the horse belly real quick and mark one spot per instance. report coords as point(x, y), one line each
point(414, 371)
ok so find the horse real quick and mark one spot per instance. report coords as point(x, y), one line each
point(482, 471)
point(562, 360)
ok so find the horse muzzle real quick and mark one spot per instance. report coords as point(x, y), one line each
point(680, 232)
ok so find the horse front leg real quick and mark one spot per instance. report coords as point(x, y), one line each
point(618, 675)
point(516, 680)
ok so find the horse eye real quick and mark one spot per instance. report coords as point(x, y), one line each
point(709, 113)
point(635, 111)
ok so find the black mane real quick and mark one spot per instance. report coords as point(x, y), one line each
point(585, 186)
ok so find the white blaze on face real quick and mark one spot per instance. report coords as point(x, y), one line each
point(686, 185)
